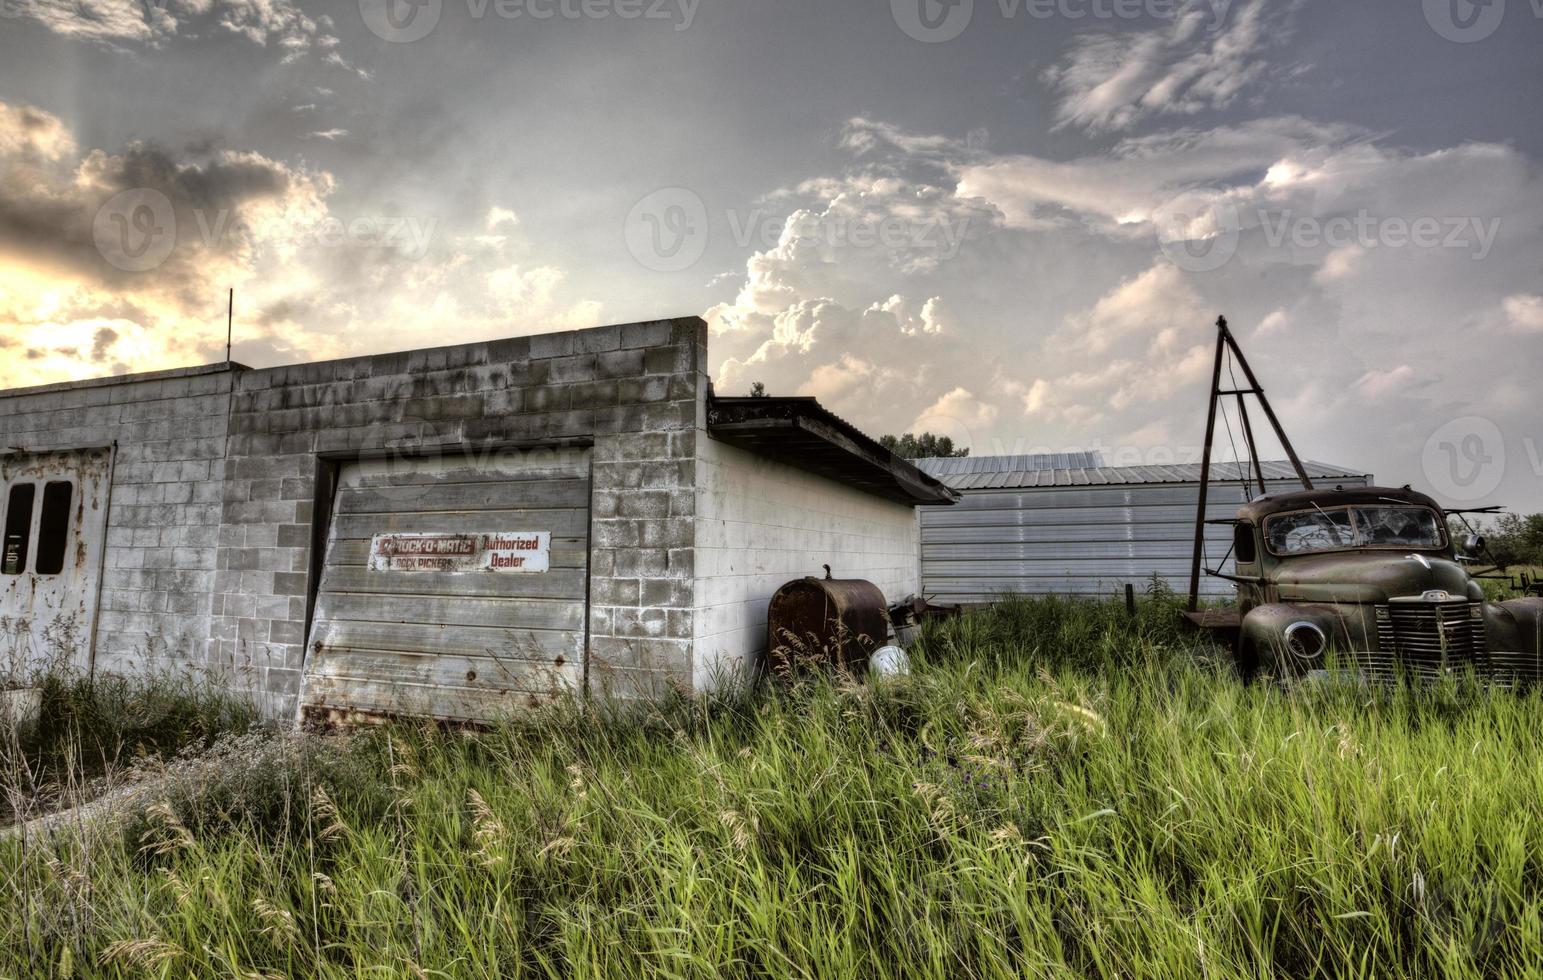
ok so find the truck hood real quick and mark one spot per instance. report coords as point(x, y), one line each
point(1370, 576)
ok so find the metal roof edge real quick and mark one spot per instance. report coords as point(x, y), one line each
point(762, 424)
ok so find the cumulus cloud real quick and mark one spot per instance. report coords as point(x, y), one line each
point(279, 24)
point(1133, 348)
point(958, 414)
point(500, 217)
point(1524, 312)
point(30, 137)
point(1380, 382)
point(1275, 322)
point(841, 291)
point(1340, 263)
point(1199, 59)
point(1094, 331)
point(120, 260)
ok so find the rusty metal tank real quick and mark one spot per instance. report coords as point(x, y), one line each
point(823, 622)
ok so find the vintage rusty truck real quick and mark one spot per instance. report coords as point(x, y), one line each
point(1368, 580)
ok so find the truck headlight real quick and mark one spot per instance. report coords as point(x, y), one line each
point(1306, 640)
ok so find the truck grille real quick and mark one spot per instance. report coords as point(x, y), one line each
point(1516, 667)
point(1426, 638)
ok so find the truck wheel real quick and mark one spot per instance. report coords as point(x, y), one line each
point(1280, 666)
point(1246, 658)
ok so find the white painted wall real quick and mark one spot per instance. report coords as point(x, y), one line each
point(760, 523)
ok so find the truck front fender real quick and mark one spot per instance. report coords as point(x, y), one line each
point(1517, 625)
point(1263, 638)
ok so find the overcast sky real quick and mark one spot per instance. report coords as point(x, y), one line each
point(1010, 221)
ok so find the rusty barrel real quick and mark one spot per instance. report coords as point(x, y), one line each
point(825, 622)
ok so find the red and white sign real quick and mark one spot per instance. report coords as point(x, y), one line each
point(482, 551)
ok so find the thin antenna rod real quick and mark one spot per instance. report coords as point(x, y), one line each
point(230, 321)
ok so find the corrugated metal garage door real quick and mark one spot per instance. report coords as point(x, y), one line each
point(454, 588)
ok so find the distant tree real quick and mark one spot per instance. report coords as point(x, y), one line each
point(757, 389)
point(924, 446)
point(1515, 540)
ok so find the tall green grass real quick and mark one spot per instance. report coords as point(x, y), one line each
point(1057, 791)
point(88, 729)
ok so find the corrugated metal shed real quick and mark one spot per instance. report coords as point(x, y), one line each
point(1082, 530)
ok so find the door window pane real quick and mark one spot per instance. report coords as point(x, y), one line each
point(18, 528)
point(54, 527)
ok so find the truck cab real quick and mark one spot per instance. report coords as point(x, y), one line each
point(1367, 579)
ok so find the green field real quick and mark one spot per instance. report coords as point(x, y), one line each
point(1057, 791)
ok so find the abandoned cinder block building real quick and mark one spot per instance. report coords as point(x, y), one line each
point(455, 532)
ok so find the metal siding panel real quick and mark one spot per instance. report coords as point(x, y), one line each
point(562, 523)
point(1085, 540)
point(558, 583)
point(461, 497)
point(524, 643)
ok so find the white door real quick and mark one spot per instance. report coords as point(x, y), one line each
point(453, 587)
point(53, 517)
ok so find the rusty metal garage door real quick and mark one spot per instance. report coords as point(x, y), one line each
point(53, 511)
point(453, 587)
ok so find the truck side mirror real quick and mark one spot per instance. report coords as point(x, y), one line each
point(1473, 544)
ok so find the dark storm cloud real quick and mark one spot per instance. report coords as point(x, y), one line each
point(57, 211)
point(102, 343)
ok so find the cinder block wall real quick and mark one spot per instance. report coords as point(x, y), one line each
point(164, 512)
point(637, 389)
point(761, 523)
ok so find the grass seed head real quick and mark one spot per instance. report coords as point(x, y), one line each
point(278, 924)
point(144, 954)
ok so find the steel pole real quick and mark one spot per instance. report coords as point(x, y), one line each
point(1205, 465)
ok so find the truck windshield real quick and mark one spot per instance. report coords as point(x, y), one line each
point(1343, 528)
